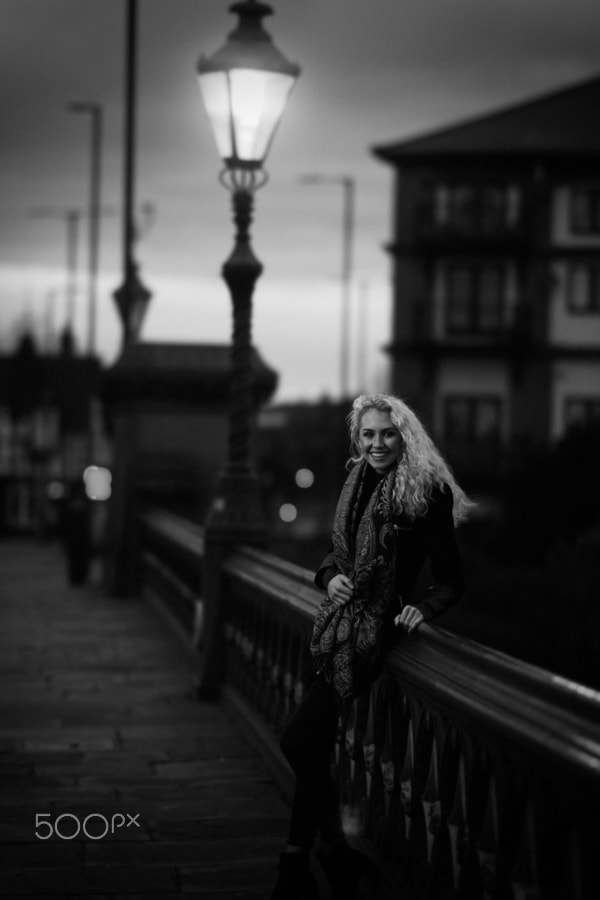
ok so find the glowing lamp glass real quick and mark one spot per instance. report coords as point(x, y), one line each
point(245, 87)
point(245, 107)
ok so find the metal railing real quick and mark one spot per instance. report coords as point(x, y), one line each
point(172, 554)
point(470, 774)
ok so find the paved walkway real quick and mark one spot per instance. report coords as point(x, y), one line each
point(146, 792)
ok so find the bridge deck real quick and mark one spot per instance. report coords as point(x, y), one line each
point(98, 719)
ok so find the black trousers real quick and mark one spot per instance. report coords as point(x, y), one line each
point(307, 743)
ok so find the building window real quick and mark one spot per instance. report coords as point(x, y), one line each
point(584, 288)
point(581, 411)
point(585, 210)
point(6, 446)
point(474, 298)
point(477, 208)
point(472, 420)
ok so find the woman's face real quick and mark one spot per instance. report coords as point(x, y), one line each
point(379, 440)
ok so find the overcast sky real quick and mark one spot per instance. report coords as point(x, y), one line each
point(371, 73)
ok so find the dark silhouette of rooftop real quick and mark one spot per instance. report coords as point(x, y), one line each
point(564, 122)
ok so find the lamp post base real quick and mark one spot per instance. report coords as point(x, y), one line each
point(235, 518)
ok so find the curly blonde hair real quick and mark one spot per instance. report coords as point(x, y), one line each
point(420, 467)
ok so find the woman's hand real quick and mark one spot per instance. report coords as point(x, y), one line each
point(410, 618)
point(340, 590)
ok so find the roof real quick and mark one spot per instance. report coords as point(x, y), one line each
point(183, 370)
point(185, 359)
point(562, 123)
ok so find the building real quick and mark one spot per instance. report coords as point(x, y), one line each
point(167, 409)
point(496, 274)
point(50, 426)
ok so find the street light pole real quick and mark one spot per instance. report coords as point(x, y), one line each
point(348, 185)
point(241, 272)
point(72, 218)
point(132, 297)
point(95, 113)
point(236, 508)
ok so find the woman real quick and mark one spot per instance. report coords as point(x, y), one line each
point(399, 506)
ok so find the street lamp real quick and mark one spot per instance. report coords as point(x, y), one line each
point(348, 185)
point(132, 298)
point(245, 86)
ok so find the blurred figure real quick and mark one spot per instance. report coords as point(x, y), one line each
point(76, 533)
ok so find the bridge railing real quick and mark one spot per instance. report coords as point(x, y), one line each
point(172, 552)
point(468, 773)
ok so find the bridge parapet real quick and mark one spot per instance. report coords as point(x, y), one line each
point(468, 773)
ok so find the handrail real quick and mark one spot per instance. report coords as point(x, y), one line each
point(472, 679)
point(175, 529)
point(172, 555)
point(284, 582)
point(546, 714)
point(469, 773)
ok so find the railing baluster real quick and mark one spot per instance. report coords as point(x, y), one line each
point(430, 801)
point(487, 845)
point(406, 779)
point(458, 828)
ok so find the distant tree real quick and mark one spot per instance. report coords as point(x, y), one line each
point(25, 379)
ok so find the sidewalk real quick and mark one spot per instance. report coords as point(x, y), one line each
point(144, 791)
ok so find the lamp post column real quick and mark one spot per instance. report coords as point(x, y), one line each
point(236, 508)
point(236, 514)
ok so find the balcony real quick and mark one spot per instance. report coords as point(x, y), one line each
point(475, 231)
point(475, 338)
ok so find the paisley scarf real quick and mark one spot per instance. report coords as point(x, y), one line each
point(346, 640)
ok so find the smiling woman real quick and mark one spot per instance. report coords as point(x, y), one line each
point(398, 507)
point(379, 440)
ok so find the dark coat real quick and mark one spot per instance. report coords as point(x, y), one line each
point(431, 535)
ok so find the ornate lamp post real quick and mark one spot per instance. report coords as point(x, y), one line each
point(245, 86)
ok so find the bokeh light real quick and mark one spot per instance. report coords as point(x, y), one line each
point(97, 480)
point(305, 478)
point(288, 512)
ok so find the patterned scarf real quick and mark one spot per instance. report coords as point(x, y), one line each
point(346, 640)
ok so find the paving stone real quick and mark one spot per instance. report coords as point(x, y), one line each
point(256, 874)
point(87, 880)
point(41, 854)
point(99, 719)
point(219, 830)
point(219, 852)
